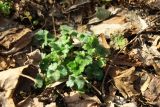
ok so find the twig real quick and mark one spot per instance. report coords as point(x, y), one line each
point(28, 77)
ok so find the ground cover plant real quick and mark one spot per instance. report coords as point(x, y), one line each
point(75, 62)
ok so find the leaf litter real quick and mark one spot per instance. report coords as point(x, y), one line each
point(129, 31)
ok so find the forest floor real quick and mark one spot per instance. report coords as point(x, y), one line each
point(79, 53)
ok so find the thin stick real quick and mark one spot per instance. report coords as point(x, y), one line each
point(28, 77)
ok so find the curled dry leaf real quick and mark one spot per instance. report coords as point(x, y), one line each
point(8, 82)
point(153, 91)
point(123, 81)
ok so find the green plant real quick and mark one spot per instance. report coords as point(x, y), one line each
point(69, 61)
point(118, 41)
point(5, 7)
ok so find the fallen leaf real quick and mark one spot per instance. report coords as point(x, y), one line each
point(37, 103)
point(122, 22)
point(9, 79)
point(6, 62)
point(74, 99)
point(125, 73)
point(51, 105)
point(153, 91)
point(34, 57)
point(30, 102)
point(129, 105)
point(12, 35)
point(145, 84)
point(103, 41)
point(127, 60)
point(148, 55)
point(123, 81)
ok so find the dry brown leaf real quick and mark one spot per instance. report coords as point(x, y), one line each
point(6, 102)
point(103, 41)
point(125, 73)
point(51, 105)
point(127, 60)
point(126, 89)
point(82, 28)
point(121, 23)
point(129, 105)
point(6, 62)
point(12, 35)
point(16, 41)
point(8, 82)
point(24, 103)
point(148, 55)
point(158, 45)
point(145, 84)
point(30, 102)
point(74, 99)
point(123, 81)
point(153, 91)
point(36, 103)
point(34, 57)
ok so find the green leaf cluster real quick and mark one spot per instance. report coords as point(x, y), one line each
point(118, 41)
point(5, 7)
point(70, 62)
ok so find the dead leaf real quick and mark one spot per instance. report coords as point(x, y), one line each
point(121, 23)
point(9, 79)
point(122, 102)
point(127, 60)
point(6, 62)
point(34, 57)
point(153, 91)
point(149, 55)
point(12, 35)
point(125, 73)
point(123, 81)
point(30, 102)
point(74, 99)
point(129, 105)
point(103, 41)
point(51, 105)
point(145, 84)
